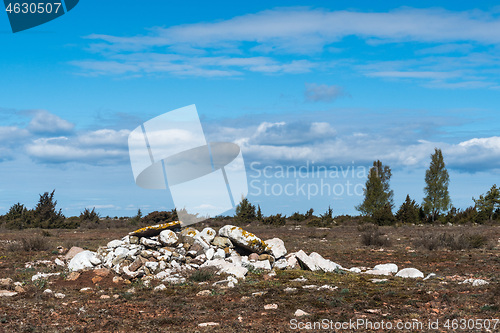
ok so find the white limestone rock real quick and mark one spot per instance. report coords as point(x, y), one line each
point(243, 238)
point(276, 247)
point(281, 264)
point(410, 273)
point(208, 234)
point(168, 238)
point(227, 267)
point(324, 264)
point(263, 264)
point(391, 268)
point(306, 261)
point(83, 260)
point(115, 243)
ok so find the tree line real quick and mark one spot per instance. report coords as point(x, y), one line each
point(378, 200)
point(377, 206)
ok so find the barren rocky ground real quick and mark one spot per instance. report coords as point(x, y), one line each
point(263, 301)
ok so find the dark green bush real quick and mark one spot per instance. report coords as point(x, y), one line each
point(157, 217)
point(89, 216)
point(245, 212)
point(276, 220)
point(409, 212)
point(374, 237)
point(384, 216)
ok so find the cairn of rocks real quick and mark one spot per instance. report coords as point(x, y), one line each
point(165, 252)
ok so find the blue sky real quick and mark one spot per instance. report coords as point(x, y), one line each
point(336, 85)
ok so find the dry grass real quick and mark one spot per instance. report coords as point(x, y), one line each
point(451, 241)
point(29, 244)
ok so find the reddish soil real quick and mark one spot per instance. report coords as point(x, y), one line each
point(178, 309)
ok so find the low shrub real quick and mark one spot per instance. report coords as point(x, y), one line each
point(29, 243)
point(374, 237)
point(202, 274)
point(451, 241)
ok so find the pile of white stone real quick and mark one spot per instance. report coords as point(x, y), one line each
point(167, 255)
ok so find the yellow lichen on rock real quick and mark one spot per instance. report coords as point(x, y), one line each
point(154, 230)
point(244, 238)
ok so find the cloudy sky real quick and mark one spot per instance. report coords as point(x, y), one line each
point(324, 85)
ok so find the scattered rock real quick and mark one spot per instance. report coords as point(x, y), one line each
point(273, 306)
point(378, 280)
point(376, 272)
point(431, 275)
point(7, 293)
point(391, 268)
point(475, 282)
point(300, 313)
point(160, 287)
point(205, 292)
point(289, 290)
point(59, 262)
point(48, 292)
point(410, 273)
point(43, 276)
point(19, 289)
point(6, 282)
point(96, 279)
point(328, 287)
point(324, 264)
point(208, 324)
point(73, 276)
point(300, 279)
point(86, 290)
point(105, 297)
point(59, 295)
point(310, 286)
point(259, 293)
point(305, 261)
point(102, 272)
point(61, 249)
point(117, 279)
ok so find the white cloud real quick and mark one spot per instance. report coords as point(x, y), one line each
point(414, 74)
point(287, 134)
point(48, 152)
point(296, 143)
point(104, 137)
point(103, 146)
point(305, 30)
point(486, 143)
point(303, 39)
point(13, 136)
point(44, 122)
